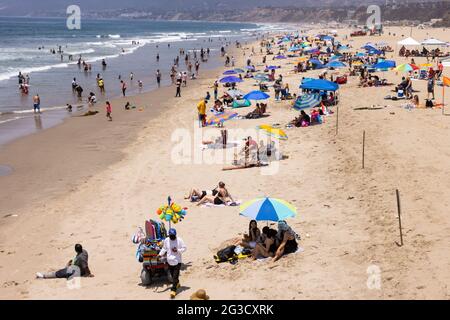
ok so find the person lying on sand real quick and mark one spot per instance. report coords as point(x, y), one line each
point(89, 113)
point(220, 195)
point(268, 247)
point(286, 237)
point(196, 195)
point(76, 267)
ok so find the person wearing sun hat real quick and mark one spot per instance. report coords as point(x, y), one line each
point(173, 246)
point(200, 295)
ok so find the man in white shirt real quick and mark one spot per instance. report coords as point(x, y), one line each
point(173, 246)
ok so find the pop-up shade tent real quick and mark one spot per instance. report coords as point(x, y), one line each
point(433, 42)
point(408, 42)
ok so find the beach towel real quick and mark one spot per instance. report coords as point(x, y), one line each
point(210, 205)
point(230, 144)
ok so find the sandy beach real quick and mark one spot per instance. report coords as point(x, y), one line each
point(95, 182)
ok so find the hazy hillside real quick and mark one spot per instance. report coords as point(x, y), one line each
point(25, 7)
point(237, 10)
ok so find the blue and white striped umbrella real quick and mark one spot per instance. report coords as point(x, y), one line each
point(267, 209)
point(307, 101)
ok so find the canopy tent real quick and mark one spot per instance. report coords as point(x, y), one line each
point(433, 42)
point(408, 42)
point(319, 84)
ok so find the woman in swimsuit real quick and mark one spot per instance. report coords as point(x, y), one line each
point(220, 195)
point(210, 195)
point(268, 248)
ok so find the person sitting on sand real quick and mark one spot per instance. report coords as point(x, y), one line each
point(255, 114)
point(218, 106)
point(267, 248)
point(286, 237)
point(253, 237)
point(76, 267)
point(218, 196)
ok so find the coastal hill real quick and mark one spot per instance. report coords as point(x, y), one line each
point(238, 10)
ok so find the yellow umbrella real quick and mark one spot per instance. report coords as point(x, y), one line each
point(426, 65)
point(274, 132)
point(357, 63)
point(302, 59)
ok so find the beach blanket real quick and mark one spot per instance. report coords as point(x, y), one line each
point(210, 205)
point(299, 250)
point(230, 144)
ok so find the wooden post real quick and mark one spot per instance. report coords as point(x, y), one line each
point(337, 119)
point(363, 147)
point(443, 97)
point(399, 217)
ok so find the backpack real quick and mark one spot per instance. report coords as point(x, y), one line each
point(225, 255)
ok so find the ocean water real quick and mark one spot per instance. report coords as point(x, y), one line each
point(25, 45)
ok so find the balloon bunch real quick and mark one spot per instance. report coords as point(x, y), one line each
point(171, 213)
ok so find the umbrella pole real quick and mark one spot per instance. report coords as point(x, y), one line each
point(443, 98)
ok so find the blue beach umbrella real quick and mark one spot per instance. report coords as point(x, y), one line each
point(280, 57)
point(230, 72)
point(307, 101)
point(230, 79)
point(256, 95)
point(319, 84)
point(335, 64)
point(271, 67)
point(239, 70)
point(267, 209)
point(384, 64)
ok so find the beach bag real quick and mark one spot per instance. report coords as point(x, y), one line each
point(428, 103)
point(225, 255)
point(341, 80)
point(138, 236)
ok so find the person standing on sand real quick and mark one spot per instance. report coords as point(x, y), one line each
point(37, 103)
point(201, 107)
point(216, 89)
point(173, 247)
point(108, 110)
point(158, 78)
point(124, 87)
point(157, 57)
point(178, 93)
